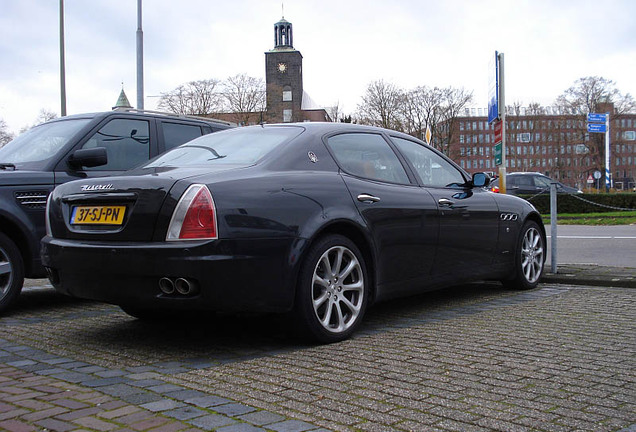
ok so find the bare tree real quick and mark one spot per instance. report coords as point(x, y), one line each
point(244, 95)
point(335, 112)
point(194, 98)
point(594, 95)
point(454, 100)
point(422, 108)
point(381, 105)
point(5, 134)
point(45, 115)
point(591, 94)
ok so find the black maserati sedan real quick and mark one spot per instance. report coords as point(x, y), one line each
point(318, 220)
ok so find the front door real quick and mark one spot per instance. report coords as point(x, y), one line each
point(401, 217)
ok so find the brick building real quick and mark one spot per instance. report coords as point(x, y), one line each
point(548, 142)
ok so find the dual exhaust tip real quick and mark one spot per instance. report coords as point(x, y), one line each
point(182, 286)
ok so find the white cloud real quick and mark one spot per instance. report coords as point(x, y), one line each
point(345, 45)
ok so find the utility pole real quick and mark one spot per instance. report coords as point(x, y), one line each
point(62, 68)
point(502, 109)
point(140, 59)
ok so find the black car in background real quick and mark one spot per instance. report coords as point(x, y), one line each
point(317, 219)
point(531, 183)
point(73, 147)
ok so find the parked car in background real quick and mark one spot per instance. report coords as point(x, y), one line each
point(531, 183)
point(317, 219)
point(68, 148)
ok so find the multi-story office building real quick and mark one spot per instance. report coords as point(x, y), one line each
point(547, 141)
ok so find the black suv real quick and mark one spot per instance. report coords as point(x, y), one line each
point(71, 148)
point(530, 183)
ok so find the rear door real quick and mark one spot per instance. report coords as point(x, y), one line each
point(468, 217)
point(129, 142)
point(402, 218)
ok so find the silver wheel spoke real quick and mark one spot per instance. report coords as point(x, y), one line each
point(340, 319)
point(327, 265)
point(327, 318)
point(353, 265)
point(320, 300)
point(338, 263)
point(353, 308)
point(320, 281)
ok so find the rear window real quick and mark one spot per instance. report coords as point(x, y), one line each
point(241, 146)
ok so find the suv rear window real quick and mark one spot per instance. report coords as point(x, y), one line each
point(175, 134)
point(243, 146)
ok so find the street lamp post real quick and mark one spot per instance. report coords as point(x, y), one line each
point(140, 59)
point(62, 68)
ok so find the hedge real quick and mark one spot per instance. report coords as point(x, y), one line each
point(584, 203)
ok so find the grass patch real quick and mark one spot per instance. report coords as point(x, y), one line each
point(608, 218)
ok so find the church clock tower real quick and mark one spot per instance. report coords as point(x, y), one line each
point(283, 77)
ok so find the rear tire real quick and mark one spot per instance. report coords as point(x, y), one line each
point(332, 290)
point(11, 272)
point(529, 258)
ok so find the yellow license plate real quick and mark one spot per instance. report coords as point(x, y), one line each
point(102, 215)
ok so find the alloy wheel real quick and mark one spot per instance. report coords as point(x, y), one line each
point(338, 289)
point(532, 251)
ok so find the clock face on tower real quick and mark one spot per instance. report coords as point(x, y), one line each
point(282, 67)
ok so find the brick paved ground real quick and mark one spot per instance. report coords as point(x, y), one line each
point(476, 357)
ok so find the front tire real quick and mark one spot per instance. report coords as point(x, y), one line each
point(11, 272)
point(333, 290)
point(529, 258)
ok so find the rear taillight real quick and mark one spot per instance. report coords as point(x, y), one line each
point(195, 216)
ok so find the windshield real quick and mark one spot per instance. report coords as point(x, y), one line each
point(34, 148)
point(240, 146)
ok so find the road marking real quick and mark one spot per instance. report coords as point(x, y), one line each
point(597, 237)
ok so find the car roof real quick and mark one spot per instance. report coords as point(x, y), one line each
point(145, 113)
point(326, 127)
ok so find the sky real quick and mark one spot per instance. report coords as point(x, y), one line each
point(346, 44)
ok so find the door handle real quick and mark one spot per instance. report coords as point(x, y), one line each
point(368, 198)
point(445, 202)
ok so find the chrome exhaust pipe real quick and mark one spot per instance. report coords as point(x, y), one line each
point(166, 285)
point(185, 286)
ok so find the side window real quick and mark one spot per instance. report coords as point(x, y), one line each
point(127, 144)
point(525, 181)
point(541, 182)
point(175, 134)
point(369, 156)
point(432, 168)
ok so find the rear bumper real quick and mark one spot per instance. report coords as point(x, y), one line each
point(229, 275)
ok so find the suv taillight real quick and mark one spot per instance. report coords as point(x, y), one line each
point(195, 216)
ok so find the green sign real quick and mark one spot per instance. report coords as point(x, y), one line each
point(497, 154)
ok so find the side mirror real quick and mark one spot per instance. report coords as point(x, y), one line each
point(90, 157)
point(480, 179)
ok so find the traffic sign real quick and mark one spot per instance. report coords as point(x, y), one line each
point(497, 153)
point(596, 127)
point(590, 179)
point(497, 131)
point(596, 118)
point(493, 90)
